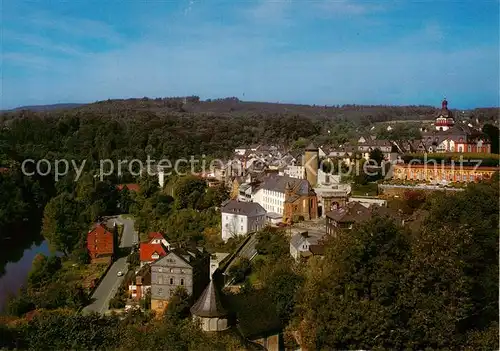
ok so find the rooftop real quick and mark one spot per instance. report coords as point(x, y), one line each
point(209, 304)
point(243, 208)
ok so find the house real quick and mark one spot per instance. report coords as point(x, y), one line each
point(178, 268)
point(100, 242)
point(149, 253)
point(131, 187)
point(241, 218)
point(158, 238)
point(354, 212)
point(385, 146)
point(141, 283)
point(449, 136)
point(272, 195)
point(303, 245)
point(345, 217)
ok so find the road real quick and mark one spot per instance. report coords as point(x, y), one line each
point(111, 282)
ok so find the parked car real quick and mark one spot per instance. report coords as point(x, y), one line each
point(120, 273)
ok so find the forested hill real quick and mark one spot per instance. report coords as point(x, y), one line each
point(236, 107)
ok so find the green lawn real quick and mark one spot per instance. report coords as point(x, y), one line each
point(370, 189)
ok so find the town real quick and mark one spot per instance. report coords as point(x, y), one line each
point(231, 248)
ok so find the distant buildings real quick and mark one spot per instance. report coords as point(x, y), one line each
point(450, 136)
point(442, 174)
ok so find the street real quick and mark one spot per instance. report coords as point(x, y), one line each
point(111, 282)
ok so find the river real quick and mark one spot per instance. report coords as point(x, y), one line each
point(15, 263)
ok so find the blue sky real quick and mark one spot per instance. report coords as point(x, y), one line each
point(314, 52)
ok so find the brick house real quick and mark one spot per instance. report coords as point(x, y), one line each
point(101, 242)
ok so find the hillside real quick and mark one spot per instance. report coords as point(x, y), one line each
point(366, 114)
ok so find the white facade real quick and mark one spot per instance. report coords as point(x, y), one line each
point(298, 172)
point(160, 241)
point(240, 224)
point(272, 201)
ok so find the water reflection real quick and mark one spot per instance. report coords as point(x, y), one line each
point(16, 256)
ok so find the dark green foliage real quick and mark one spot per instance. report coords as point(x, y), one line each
point(178, 305)
point(64, 222)
point(272, 242)
point(43, 270)
point(256, 313)
point(436, 288)
point(239, 270)
point(493, 134)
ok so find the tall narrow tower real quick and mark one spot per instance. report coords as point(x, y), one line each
point(311, 164)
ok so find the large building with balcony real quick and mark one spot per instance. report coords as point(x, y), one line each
point(450, 135)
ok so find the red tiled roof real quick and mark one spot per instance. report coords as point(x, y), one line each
point(155, 235)
point(131, 187)
point(147, 250)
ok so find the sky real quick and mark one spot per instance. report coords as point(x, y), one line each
point(295, 51)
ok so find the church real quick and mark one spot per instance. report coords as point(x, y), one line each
point(450, 135)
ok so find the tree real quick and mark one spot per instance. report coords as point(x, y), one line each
point(63, 224)
point(348, 301)
point(179, 304)
point(493, 135)
point(239, 269)
point(377, 155)
point(189, 192)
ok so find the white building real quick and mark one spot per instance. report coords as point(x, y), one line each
point(241, 218)
point(298, 172)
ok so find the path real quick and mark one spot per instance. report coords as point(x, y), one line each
point(111, 282)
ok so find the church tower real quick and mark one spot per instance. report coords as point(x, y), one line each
point(311, 164)
point(444, 119)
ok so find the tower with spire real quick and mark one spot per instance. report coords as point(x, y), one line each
point(444, 118)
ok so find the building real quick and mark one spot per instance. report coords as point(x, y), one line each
point(158, 238)
point(345, 217)
point(302, 245)
point(301, 202)
point(209, 309)
point(311, 164)
point(178, 268)
point(148, 253)
point(100, 242)
point(450, 136)
point(442, 174)
point(352, 213)
point(140, 284)
point(241, 218)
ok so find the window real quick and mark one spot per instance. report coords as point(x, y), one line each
point(171, 270)
point(241, 228)
point(182, 281)
point(241, 219)
point(171, 281)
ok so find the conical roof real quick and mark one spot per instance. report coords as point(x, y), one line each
point(209, 304)
point(311, 147)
